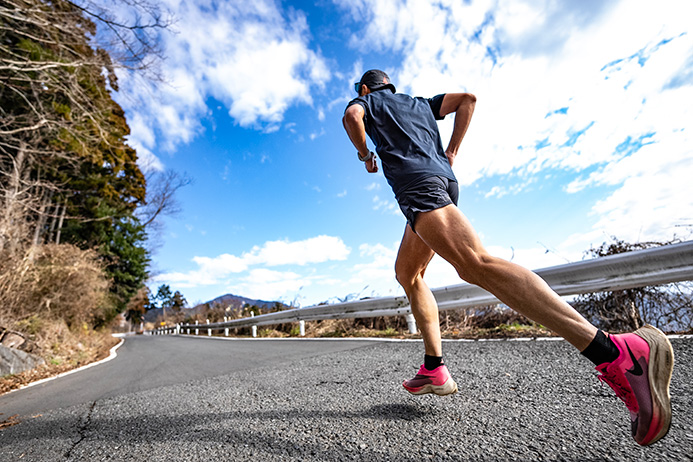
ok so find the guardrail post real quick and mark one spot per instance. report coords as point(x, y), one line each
point(226, 329)
point(177, 329)
point(302, 328)
point(209, 331)
point(411, 323)
point(197, 331)
point(254, 328)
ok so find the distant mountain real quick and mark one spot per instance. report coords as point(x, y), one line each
point(229, 300)
point(236, 301)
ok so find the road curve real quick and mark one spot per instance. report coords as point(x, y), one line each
point(176, 398)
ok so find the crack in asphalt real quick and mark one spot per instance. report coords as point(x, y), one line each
point(82, 431)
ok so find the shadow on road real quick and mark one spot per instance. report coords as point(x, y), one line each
point(232, 429)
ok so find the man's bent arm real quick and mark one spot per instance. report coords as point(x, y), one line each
point(356, 129)
point(462, 104)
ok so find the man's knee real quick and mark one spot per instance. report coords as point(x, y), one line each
point(474, 267)
point(407, 275)
point(403, 277)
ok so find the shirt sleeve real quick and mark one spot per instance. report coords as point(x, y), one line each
point(358, 100)
point(362, 102)
point(436, 102)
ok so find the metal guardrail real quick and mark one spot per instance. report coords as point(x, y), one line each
point(660, 265)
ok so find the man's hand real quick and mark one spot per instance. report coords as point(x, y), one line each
point(451, 156)
point(371, 165)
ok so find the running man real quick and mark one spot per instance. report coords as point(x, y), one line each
point(637, 366)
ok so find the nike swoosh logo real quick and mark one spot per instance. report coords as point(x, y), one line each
point(637, 369)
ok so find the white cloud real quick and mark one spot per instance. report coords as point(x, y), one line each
point(373, 187)
point(651, 203)
point(385, 205)
point(265, 284)
point(216, 270)
point(251, 56)
point(314, 250)
point(315, 135)
point(377, 269)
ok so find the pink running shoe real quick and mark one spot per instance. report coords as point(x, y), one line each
point(640, 376)
point(437, 381)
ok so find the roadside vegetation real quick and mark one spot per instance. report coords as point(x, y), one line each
point(668, 307)
point(77, 207)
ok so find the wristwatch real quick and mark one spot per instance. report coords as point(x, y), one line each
point(367, 158)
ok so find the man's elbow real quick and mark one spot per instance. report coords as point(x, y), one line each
point(467, 103)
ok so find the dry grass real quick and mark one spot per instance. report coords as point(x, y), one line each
point(63, 349)
point(483, 322)
point(51, 282)
point(478, 323)
point(51, 294)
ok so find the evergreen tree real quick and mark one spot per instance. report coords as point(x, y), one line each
point(66, 172)
point(178, 301)
point(164, 296)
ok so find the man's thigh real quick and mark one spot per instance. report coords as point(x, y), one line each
point(449, 234)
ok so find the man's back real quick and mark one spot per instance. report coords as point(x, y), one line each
point(405, 134)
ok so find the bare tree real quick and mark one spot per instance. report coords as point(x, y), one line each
point(161, 199)
point(56, 111)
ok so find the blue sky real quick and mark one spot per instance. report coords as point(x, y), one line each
point(581, 132)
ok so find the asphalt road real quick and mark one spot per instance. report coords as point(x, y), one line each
point(168, 398)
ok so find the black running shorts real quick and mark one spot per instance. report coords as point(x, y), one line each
point(426, 195)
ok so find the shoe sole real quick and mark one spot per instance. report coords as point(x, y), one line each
point(448, 388)
point(660, 369)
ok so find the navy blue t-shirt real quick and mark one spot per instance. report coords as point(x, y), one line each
point(406, 138)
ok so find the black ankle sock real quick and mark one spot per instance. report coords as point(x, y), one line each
point(431, 362)
point(601, 350)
